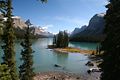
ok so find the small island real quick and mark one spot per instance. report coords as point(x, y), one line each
point(60, 44)
point(72, 50)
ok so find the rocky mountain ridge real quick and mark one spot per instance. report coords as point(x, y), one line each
point(92, 32)
point(77, 30)
point(20, 27)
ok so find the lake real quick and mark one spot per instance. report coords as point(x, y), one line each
point(44, 59)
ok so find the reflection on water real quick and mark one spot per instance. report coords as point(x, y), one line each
point(62, 58)
point(45, 59)
point(84, 45)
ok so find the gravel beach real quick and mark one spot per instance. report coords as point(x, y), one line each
point(56, 75)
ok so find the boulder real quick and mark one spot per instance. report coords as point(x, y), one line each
point(89, 63)
point(56, 65)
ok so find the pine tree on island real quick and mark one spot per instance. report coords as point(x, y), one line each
point(61, 40)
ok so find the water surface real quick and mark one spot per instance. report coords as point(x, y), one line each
point(45, 59)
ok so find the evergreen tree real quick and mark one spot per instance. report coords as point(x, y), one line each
point(43, 1)
point(3, 11)
point(111, 45)
point(8, 47)
point(8, 39)
point(62, 39)
point(3, 7)
point(54, 40)
point(26, 70)
point(4, 72)
point(59, 43)
point(66, 39)
point(1, 27)
point(98, 49)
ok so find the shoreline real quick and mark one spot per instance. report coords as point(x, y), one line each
point(72, 76)
point(59, 75)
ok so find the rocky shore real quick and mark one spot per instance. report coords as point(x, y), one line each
point(58, 75)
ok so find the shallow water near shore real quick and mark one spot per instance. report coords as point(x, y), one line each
point(45, 59)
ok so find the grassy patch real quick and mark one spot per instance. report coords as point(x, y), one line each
point(75, 50)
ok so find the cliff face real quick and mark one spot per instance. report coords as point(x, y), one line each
point(18, 22)
point(93, 32)
point(40, 32)
point(78, 30)
point(20, 27)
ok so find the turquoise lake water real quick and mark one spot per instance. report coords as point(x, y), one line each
point(44, 59)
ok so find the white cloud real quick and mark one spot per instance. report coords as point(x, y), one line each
point(72, 20)
point(55, 33)
point(47, 26)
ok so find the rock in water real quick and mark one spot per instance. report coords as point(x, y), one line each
point(56, 65)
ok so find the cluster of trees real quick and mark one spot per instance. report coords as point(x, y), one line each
point(8, 69)
point(61, 40)
point(111, 45)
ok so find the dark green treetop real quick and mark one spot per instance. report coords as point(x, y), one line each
point(4, 72)
point(26, 69)
point(111, 45)
point(8, 39)
point(61, 40)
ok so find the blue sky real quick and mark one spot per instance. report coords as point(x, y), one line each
point(58, 14)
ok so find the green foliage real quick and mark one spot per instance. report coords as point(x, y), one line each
point(98, 49)
point(9, 72)
point(61, 40)
point(3, 6)
point(43, 1)
point(66, 39)
point(26, 70)
point(2, 10)
point(8, 39)
point(1, 27)
point(54, 40)
point(4, 72)
point(111, 45)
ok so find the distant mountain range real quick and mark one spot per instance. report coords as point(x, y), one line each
point(93, 32)
point(20, 27)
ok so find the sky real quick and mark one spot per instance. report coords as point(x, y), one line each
point(56, 15)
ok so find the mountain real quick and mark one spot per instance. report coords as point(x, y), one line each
point(78, 30)
point(20, 27)
point(40, 32)
point(93, 32)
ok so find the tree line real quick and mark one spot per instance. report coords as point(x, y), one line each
point(61, 40)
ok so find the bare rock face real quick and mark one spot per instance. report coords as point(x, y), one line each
point(92, 32)
point(78, 30)
point(40, 32)
point(18, 22)
point(20, 27)
point(96, 24)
